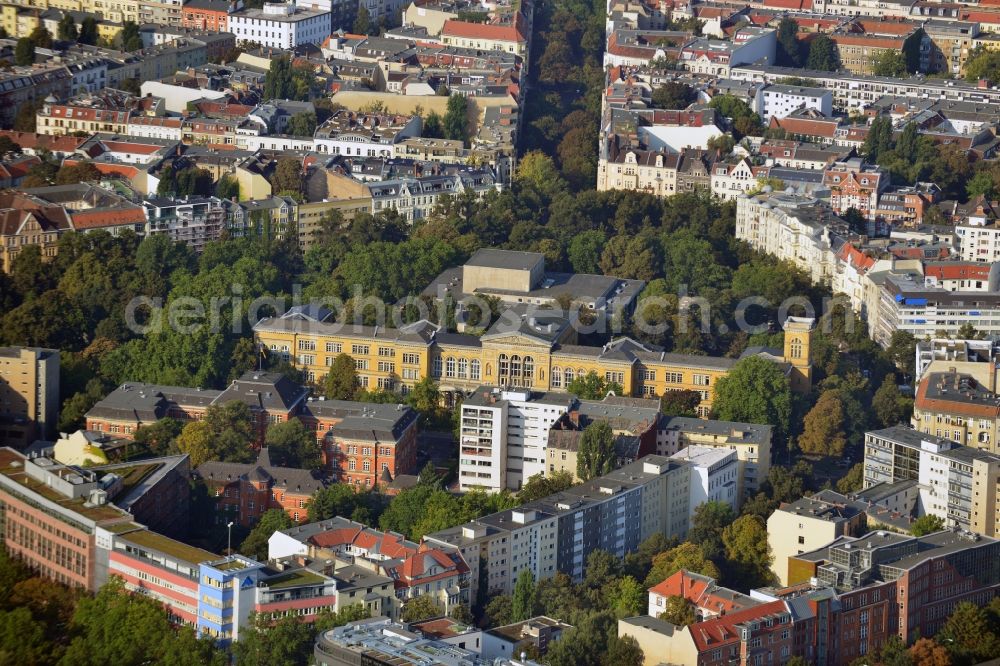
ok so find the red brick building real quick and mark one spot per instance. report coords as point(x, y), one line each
point(244, 492)
point(210, 15)
point(364, 443)
point(271, 397)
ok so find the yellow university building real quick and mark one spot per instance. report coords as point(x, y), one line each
point(528, 346)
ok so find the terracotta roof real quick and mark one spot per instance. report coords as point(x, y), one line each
point(96, 219)
point(958, 271)
point(723, 630)
point(855, 257)
point(467, 30)
point(129, 147)
point(30, 140)
point(951, 405)
point(806, 127)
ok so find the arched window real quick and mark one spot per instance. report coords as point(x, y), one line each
point(463, 368)
point(515, 370)
point(449, 367)
point(569, 376)
point(796, 348)
point(503, 367)
point(474, 369)
point(529, 367)
point(556, 377)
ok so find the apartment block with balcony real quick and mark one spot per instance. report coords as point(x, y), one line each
point(614, 512)
point(955, 483)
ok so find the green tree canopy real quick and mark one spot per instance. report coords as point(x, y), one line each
point(291, 444)
point(823, 54)
point(341, 382)
point(596, 453)
point(271, 521)
point(755, 391)
point(823, 433)
point(592, 386)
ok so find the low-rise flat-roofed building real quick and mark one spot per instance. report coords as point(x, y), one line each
point(908, 585)
point(809, 523)
point(750, 441)
point(51, 516)
point(714, 476)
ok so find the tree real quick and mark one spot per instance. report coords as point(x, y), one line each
point(928, 652)
point(721, 143)
point(363, 22)
point(66, 29)
point(584, 251)
point(890, 406)
point(130, 38)
point(339, 499)
point(159, 435)
point(196, 441)
point(119, 627)
point(271, 521)
point(853, 481)
point(823, 54)
point(278, 83)
point(341, 382)
point(326, 619)
point(889, 62)
point(707, 524)
point(456, 119)
point(748, 553)
point(420, 608)
point(433, 126)
point(878, 140)
point(287, 176)
point(461, 613)
point(592, 386)
point(981, 184)
point(823, 432)
point(88, 32)
point(227, 188)
point(24, 53)
point(679, 611)
point(287, 641)
point(541, 485)
point(969, 635)
point(77, 173)
point(498, 610)
point(291, 444)
point(926, 524)
point(688, 556)
point(680, 403)
point(755, 391)
point(596, 454)
point(789, 47)
point(627, 597)
point(232, 431)
point(302, 124)
point(673, 95)
point(8, 146)
point(41, 37)
point(902, 350)
point(525, 599)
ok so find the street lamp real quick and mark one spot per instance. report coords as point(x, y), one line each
point(229, 540)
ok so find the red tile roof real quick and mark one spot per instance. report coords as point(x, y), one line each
point(723, 630)
point(959, 271)
point(502, 33)
point(97, 219)
point(32, 141)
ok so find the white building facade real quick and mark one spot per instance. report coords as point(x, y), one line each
point(280, 26)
